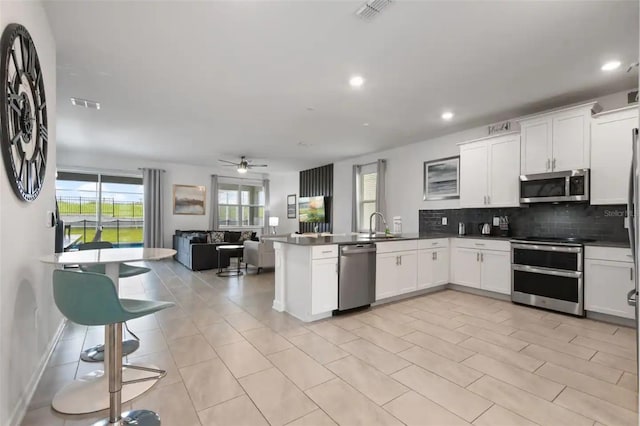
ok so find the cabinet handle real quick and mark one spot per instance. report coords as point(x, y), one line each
point(488, 199)
point(480, 244)
point(631, 274)
point(400, 257)
point(477, 257)
point(548, 163)
point(433, 256)
point(481, 257)
point(327, 251)
point(554, 164)
point(436, 253)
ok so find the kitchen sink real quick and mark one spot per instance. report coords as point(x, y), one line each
point(377, 237)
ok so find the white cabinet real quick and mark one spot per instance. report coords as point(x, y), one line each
point(482, 264)
point(504, 171)
point(433, 267)
point(571, 139)
point(496, 271)
point(324, 285)
point(465, 266)
point(489, 171)
point(474, 169)
point(607, 281)
point(407, 275)
point(611, 155)
point(386, 284)
point(536, 146)
point(557, 141)
point(396, 273)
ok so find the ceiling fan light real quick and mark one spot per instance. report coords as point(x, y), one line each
point(242, 168)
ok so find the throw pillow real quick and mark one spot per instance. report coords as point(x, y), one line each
point(216, 237)
point(245, 235)
point(198, 238)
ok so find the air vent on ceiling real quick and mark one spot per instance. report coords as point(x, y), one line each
point(85, 103)
point(371, 9)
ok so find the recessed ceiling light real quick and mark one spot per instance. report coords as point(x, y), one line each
point(86, 103)
point(365, 124)
point(356, 81)
point(447, 115)
point(610, 66)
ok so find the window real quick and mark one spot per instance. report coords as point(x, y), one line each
point(240, 205)
point(119, 213)
point(366, 195)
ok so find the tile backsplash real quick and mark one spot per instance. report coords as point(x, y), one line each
point(605, 223)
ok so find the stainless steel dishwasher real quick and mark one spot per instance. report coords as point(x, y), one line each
point(357, 278)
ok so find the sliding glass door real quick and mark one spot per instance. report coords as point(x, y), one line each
point(97, 203)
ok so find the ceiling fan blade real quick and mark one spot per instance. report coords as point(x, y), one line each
point(229, 165)
point(257, 165)
point(228, 162)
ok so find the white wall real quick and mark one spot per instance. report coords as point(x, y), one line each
point(405, 175)
point(28, 316)
point(281, 185)
point(176, 174)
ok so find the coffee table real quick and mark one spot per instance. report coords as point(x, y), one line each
point(231, 249)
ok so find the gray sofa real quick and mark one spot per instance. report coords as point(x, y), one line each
point(259, 253)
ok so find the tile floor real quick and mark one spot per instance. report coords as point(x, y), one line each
point(447, 358)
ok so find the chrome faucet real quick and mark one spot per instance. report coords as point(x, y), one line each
point(371, 231)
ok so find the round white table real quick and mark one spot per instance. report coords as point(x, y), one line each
point(90, 393)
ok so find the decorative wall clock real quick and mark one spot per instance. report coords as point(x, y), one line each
point(23, 113)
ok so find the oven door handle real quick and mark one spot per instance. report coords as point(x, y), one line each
point(632, 297)
point(543, 247)
point(547, 271)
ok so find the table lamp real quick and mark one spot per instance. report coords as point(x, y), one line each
point(273, 222)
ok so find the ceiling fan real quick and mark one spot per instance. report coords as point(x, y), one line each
point(243, 166)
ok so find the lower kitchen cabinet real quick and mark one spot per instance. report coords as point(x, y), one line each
point(396, 273)
point(480, 268)
point(496, 271)
point(607, 283)
point(433, 267)
point(465, 267)
point(324, 285)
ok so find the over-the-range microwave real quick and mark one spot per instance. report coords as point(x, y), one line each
point(570, 185)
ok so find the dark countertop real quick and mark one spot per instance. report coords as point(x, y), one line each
point(608, 244)
point(359, 239)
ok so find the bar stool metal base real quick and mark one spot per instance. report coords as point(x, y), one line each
point(96, 353)
point(134, 417)
point(230, 273)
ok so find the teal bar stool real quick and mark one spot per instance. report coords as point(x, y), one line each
point(91, 299)
point(96, 353)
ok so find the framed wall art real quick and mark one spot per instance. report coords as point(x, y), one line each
point(291, 206)
point(442, 179)
point(189, 199)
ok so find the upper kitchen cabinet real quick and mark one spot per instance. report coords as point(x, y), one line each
point(558, 140)
point(536, 146)
point(489, 171)
point(611, 154)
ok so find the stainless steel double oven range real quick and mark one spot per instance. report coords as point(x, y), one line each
point(548, 273)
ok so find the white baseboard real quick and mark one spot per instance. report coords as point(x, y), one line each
point(20, 409)
point(278, 305)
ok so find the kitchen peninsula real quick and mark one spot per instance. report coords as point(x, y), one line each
point(307, 268)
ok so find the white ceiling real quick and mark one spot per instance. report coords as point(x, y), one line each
point(196, 81)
